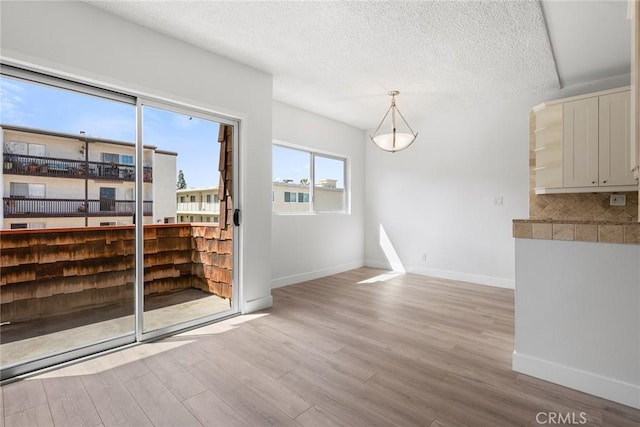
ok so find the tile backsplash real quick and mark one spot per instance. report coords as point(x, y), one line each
point(576, 206)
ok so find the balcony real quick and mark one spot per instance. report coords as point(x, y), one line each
point(19, 207)
point(18, 164)
point(62, 288)
point(198, 207)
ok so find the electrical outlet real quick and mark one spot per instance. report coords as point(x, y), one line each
point(618, 200)
point(498, 201)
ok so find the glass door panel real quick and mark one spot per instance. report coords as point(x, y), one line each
point(188, 237)
point(67, 238)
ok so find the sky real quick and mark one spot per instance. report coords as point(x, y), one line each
point(37, 106)
point(33, 105)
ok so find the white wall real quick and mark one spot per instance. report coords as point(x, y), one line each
point(305, 247)
point(438, 197)
point(578, 316)
point(164, 184)
point(77, 40)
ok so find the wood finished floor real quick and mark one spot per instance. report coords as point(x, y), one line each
point(409, 351)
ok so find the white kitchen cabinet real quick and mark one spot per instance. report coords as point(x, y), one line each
point(614, 145)
point(580, 143)
point(583, 144)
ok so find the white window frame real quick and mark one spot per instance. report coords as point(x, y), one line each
point(312, 153)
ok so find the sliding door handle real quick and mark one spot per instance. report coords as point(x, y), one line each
point(236, 217)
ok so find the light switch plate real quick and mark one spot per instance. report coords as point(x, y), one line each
point(618, 200)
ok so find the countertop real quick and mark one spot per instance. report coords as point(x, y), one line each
point(627, 232)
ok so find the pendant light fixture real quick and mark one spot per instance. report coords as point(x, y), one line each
point(399, 138)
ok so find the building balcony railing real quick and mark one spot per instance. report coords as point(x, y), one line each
point(19, 164)
point(19, 207)
point(198, 207)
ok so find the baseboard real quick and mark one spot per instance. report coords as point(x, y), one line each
point(312, 275)
point(498, 282)
point(257, 304)
point(597, 385)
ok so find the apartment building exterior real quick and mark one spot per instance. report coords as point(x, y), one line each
point(198, 205)
point(53, 179)
point(291, 197)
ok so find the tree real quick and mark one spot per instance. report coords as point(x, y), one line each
point(304, 181)
point(181, 184)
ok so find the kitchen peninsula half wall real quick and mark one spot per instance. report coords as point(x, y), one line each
point(577, 272)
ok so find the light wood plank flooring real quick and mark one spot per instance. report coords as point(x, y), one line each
point(339, 351)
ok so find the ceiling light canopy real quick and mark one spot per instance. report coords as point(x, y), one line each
point(400, 137)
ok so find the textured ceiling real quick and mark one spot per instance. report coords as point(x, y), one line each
point(339, 59)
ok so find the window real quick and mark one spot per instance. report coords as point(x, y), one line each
point(107, 199)
point(289, 197)
point(22, 190)
point(192, 198)
point(126, 159)
point(110, 158)
point(26, 148)
point(294, 171)
point(208, 198)
point(328, 187)
point(18, 225)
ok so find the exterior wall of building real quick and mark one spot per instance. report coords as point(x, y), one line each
point(326, 199)
point(164, 184)
point(69, 222)
point(53, 169)
point(198, 218)
point(280, 205)
point(197, 205)
point(57, 147)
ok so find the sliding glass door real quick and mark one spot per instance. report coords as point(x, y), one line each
point(117, 220)
point(188, 247)
point(67, 241)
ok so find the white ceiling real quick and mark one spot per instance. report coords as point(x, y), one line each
point(340, 58)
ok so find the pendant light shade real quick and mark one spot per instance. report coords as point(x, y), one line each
point(400, 136)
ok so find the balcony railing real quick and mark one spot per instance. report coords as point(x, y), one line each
point(18, 207)
point(198, 207)
point(19, 164)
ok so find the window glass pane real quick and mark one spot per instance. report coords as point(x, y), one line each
point(37, 191)
point(18, 147)
point(40, 106)
point(36, 150)
point(53, 172)
point(291, 176)
point(329, 190)
point(110, 158)
point(18, 189)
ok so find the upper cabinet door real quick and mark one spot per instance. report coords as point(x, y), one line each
point(580, 143)
point(615, 141)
